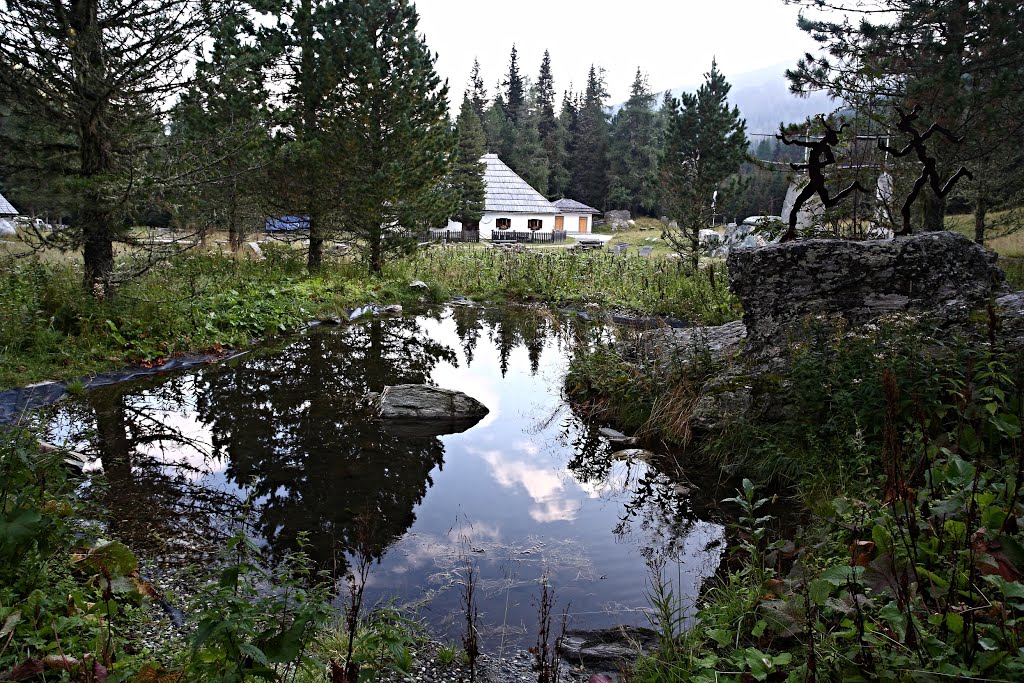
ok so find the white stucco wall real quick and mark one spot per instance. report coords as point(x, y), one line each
point(572, 222)
point(519, 223)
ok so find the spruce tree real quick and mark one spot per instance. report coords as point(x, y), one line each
point(305, 178)
point(82, 78)
point(394, 143)
point(222, 124)
point(588, 163)
point(705, 144)
point(478, 92)
point(515, 90)
point(558, 178)
point(527, 157)
point(547, 125)
point(499, 130)
point(958, 59)
point(467, 178)
point(633, 153)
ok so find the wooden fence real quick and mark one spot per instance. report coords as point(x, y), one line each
point(529, 236)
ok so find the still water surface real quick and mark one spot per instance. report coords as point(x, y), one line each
point(530, 490)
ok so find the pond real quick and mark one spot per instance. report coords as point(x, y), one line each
point(533, 490)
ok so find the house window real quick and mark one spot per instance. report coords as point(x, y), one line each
point(503, 223)
point(534, 223)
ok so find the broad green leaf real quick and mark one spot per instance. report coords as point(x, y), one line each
point(820, 589)
point(23, 525)
point(254, 652)
point(111, 556)
point(838, 576)
point(896, 620)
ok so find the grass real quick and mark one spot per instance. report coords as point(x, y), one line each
point(1011, 245)
point(646, 233)
point(50, 329)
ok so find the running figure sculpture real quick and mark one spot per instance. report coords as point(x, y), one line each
point(929, 174)
point(819, 157)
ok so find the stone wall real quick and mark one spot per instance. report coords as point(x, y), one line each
point(943, 274)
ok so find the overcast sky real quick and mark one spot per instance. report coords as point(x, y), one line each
point(673, 41)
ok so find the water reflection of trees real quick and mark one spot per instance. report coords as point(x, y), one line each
point(151, 466)
point(661, 510)
point(508, 329)
point(289, 426)
point(294, 430)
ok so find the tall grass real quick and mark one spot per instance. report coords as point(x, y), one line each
point(49, 328)
point(562, 277)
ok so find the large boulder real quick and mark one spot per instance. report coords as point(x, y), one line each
point(618, 220)
point(423, 410)
point(1010, 309)
point(942, 274)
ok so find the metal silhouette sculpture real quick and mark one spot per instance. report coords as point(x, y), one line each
point(929, 172)
point(819, 157)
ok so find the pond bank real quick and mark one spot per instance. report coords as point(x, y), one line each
point(898, 431)
point(561, 480)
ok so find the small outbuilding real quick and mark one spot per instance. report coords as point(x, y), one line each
point(574, 216)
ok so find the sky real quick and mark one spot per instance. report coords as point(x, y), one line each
point(673, 41)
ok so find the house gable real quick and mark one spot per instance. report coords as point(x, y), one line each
point(505, 192)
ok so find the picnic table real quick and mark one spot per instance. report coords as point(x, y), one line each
point(586, 244)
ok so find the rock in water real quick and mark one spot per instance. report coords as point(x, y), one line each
point(423, 410)
point(609, 646)
point(617, 437)
point(942, 274)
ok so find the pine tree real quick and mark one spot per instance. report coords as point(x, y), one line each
point(305, 178)
point(499, 130)
point(547, 124)
point(468, 170)
point(634, 151)
point(588, 163)
point(958, 59)
point(515, 90)
point(705, 144)
point(81, 78)
point(477, 91)
point(222, 122)
point(394, 142)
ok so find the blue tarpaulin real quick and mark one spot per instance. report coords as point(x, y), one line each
point(287, 223)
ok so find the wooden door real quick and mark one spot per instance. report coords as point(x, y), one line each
point(583, 225)
point(559, 223)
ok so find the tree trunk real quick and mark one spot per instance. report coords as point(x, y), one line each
point(695, 250)
point(315, 259)
point(934, 211)
point(376, 252)
point(235, 233)
point(94, 146)
point(980, 211)
point(98, 251)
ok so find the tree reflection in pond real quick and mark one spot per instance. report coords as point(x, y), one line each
point(534, 487)
point(295, 432)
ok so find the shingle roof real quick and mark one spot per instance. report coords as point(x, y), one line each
point(508, 193)
point(6, 209)
point(573, 206)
